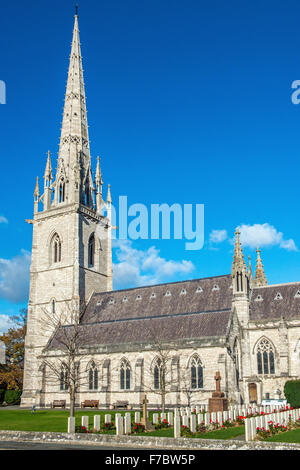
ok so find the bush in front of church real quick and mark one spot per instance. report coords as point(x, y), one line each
point(292, 392)
point(12, 397)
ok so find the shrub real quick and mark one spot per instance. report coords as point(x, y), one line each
point(2, 393)
point(139, 428)
point(12, 397)
point(292, 392)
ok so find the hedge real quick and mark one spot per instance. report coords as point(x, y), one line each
point(12, 397)
point(292, 392)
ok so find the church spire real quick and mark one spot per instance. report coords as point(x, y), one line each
point(74, 131)
point(238, 258)
point(260, 277)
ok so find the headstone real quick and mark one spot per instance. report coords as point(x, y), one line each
point(71, 424)
point(170, 418)
point(247, 430)
point(107, 419)
point(97, 422)
point(155, 418)
point(119, 425)
point(207, 419)
point(85, 421)
point(137, 417)
point(176, 426)
point(127, 423)
point(193, 423)
point(199, 418)
point(185, 420)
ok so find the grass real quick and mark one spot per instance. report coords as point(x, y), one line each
point(56, 421)
point(288, 436)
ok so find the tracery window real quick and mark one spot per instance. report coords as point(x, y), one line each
point(265, 357)
point(93, 377)
point(159, 375)
point(64, 377)
point(125, 373)
point(196, 373)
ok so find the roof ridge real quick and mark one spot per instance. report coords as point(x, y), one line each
point(278, 285)
point(161, 284)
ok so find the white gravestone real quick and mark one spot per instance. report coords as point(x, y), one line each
point(97, 422)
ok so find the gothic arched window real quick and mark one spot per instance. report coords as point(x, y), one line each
point(93, 377)
point(236, 360)
point(125, 373)
point(196, 373)
point(265, 357)
point(91, 250)
point(159, 375)
point(56, 249)
point(61, 192)
point(64, 377)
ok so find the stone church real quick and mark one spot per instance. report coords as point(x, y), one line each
point(236, 323)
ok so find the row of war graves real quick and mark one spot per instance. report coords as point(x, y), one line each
point(190, 417)
point(213, 415)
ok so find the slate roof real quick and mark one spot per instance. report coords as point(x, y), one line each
point(180, 310)
point(194, 309)
point(270, 307)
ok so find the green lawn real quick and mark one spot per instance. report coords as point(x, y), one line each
point(56, 421)
point(289, 436)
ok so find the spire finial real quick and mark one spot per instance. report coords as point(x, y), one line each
point(260, 277)
point(238, 258)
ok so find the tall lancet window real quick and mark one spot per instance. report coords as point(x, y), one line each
point(87, 195)
point(91, 251)
point(64, 378)
point(125, 373)
point(159, 375)
point(265, 357)
point(196, 373)
point(93, 377)
point(61, 192)
point(56, 249)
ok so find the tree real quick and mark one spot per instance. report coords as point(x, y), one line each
point(66, 345)
point(11, 374)
point(159, 379)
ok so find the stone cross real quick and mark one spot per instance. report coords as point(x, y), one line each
point(218, 382)
point(145, 421)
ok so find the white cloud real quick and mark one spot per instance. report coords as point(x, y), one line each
point(260, 235)
point(217, 236)
point(138, 267)
point(3, 220)
point(14, 277)
point(5, 323)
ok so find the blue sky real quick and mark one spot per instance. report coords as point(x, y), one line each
point(188, 102)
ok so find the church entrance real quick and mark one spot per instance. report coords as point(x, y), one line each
point(252, 393)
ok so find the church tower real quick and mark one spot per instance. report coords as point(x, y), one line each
point(71, 247)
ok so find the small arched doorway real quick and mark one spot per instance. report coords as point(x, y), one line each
point(252, 393)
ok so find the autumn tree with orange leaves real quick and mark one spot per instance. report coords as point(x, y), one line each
point(11, 373)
